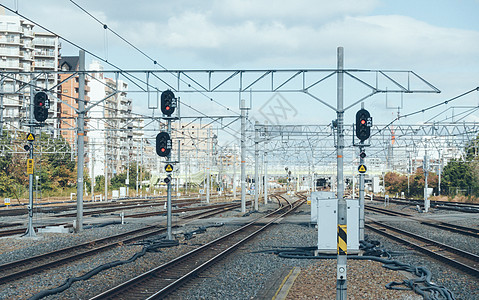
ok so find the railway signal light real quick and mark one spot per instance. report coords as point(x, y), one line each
point(363, 124)
point(163, 144)
point(40, 106)
point(362, 154)
point(168, 103)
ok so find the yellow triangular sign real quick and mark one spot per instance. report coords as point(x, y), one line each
point(168, 168)
point(30, 137)
point(362, 168)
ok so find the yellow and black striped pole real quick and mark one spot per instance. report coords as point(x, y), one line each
point(342, 239)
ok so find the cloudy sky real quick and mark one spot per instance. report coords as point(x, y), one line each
point(438, 39)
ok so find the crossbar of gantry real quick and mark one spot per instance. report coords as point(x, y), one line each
point(253, 80)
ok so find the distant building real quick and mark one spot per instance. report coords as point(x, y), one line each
point(68, 93)
point(113, 142)
point(23, 50)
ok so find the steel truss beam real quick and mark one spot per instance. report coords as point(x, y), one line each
point(260, 80)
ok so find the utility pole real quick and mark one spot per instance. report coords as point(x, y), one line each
point(243, 156)
point(1, 105)
point(426, 173)
point(234, 171)
point(106, 166)
point(265, 175)
point(141, 170)
point(256, 166)
point(80, 140)
point(208, 165)
point(341, 286)
point(92, 149)
point(137, 163)
point(127, 181)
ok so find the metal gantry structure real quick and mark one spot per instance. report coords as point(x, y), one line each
point(308, 82)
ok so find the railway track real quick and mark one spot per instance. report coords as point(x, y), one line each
point(456, 206)
point(432, 223)
point(459, 259)
point(33, 265)
point(219, 207)
point(163, 280)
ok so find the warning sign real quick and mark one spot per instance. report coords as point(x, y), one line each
point(30, 137)
point(30, 166)
point(169, 168)
point(362, 169)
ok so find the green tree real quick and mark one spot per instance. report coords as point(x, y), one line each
point(58, 170)
point(99, 183)
point(458, 175)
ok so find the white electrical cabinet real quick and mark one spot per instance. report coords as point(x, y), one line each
point(327, 220)
point(315, 197)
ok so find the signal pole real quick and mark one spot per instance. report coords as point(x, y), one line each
point(361, 193)
point(30, 230)
point(168, 195)
point(163, 149)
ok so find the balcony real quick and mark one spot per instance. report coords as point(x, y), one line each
point(10, 52)
point(10, 28)
point(9, 65)
point(44, 53)
point(44, 42)
point(10, 40)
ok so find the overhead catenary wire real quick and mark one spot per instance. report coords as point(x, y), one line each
point(155, 62)
point(476, 89)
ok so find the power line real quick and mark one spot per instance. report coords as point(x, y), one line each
point(155, 62)
point(428, 108)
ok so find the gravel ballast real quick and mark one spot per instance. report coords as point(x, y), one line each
point(252, 272)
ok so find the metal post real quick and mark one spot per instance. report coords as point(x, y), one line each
point(30, 230)
point(234, 171)
point(361, 196)
point(426, 171)
point(243, 156)
point(127, 181)
point(168, 195)
point(92, 186)
point(80, 140)
point(256, 165)
point(106, 167)
point(1, 105)
point(439, 171)
point(141, 170)
point(208, 165)
point(341, 287)
point(265, 176)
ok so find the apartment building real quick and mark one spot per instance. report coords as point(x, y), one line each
point(23, 50)
point(68, 93)
point(114, 135)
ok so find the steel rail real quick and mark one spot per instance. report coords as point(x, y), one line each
point(459, 259)
point(25, 267)
point(162, 280)
point(428, 222)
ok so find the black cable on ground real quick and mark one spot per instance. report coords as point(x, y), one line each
point(153, 246)
point(102, 224)
point(421, 285)
point(189, 235)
